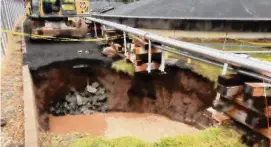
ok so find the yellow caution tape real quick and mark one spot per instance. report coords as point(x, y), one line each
point(60, 38)
point(262, 44)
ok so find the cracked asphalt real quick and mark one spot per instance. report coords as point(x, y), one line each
point(44, 52)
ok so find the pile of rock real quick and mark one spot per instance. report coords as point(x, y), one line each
point(92, 99)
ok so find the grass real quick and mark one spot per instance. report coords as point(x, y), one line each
point(216, 137)
point(264, 57)
point(124, 66)
point(206, 70)
point(103, 142)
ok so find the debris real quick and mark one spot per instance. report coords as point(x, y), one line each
point(86, 112)
point(87, 102)
point(91, 89)
point(79, 100)
point(86, 52)
point(79, 52)
point(84, 100)
point(70, 98)
point(101, 91)
point(102, 98)
point(109, 51)
point(104, 108)
point(95, 85)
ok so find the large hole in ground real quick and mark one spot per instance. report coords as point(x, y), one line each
point(69, 97)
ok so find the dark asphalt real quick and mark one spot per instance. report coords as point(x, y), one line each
point(40, 54)
point(213, 9)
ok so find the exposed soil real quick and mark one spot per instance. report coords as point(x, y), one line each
point(94, 124)
point(146, 126)
point(180, 94)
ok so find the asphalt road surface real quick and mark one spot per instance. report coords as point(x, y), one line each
point(194, 9)
point(39, 54)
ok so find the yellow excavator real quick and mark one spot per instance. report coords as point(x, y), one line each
point(56, 18)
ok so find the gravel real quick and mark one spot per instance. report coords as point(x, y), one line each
point(12, 143)
point(92, 99)
point(12, 90)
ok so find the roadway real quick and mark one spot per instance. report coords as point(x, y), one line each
point(195, 9)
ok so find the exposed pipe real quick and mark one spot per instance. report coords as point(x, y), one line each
point(149, 57)
point(205, 52)
point(254, 75)
point(125, 43)
point(95, 30)
point(162, 65)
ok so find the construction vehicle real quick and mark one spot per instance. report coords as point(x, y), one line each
point(56, 18)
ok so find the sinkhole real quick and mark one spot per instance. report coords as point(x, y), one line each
point(73, 97)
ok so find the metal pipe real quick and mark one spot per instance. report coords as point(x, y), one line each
point(95, 30)
point(225, 68)
point(149, 57)
point(208, 53)
point(162, 66)
point(254, 75)
point(125, 43)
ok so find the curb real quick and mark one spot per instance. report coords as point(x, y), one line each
point(30, 110)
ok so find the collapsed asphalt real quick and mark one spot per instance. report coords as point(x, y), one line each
point(41, 53)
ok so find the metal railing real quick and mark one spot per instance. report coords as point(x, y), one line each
point(255, 68)
point(10, 12)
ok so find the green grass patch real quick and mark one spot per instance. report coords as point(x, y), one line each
point(206, 70)
point(211, 137)
point(124, 66)
point(264, 57)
